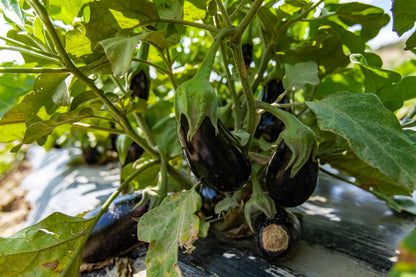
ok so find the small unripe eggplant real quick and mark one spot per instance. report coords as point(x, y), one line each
point(215, 157)
point(116, 231)
point(269, 126)
point(140, 85)
point(286, 191)
point(91, 155)
point(247, 53)
point(277, 237)
point(133, 153)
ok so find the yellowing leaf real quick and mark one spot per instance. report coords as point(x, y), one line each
point(171, 225)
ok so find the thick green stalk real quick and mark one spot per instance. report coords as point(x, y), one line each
point(248, 94)
point(247, 19)
point(150, 64)
point(224, 13)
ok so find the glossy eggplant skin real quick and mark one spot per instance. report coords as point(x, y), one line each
point(140, 85)
point(209, 199)
point(116, 231)
point(216, 159)
point(133, 153)
point(247, 53)
point(286, 191)
point(269, 126)
point(277, 237)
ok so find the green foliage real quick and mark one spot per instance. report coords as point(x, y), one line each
point(74, 87)
point(48, 248)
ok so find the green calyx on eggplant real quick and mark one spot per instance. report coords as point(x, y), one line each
point(277, 237)
point(269, 126)
point(116, 231)
point(215, 156)
point(287, 191)
point(140, 85)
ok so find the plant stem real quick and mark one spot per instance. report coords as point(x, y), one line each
point(248, 94)
point(338, 177)
point(224, 13)
point(247, 19)
point(185, 182)
point(33, 70)
point(31, 53)
point(27, 47)
point(145, 128)
point(190, 23)
point(150, 64)
point(105, 206)
point(169, 68)
point(242, 2)
point(89, 126)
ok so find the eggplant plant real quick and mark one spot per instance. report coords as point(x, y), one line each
point(205, 93)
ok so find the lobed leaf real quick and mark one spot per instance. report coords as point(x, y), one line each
point(404, 15)
point(171, 225)
point(373, 133)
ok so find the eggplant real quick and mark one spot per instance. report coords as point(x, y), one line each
point(116, 231)
point(247, 54)
point(286, 191)
point(140, 85)
point(133, 153)
point(215, 158)
point(91, 155)
point(269, 126)
point(277, 237)
point(209, 199)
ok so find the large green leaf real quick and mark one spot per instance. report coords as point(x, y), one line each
point(407, 87)
point(47, 248)
point(106, 19)
point(373, 133)
point(171, 225)
point(404, 15)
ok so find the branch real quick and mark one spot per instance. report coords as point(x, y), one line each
point(33, 70)
point(190, 23)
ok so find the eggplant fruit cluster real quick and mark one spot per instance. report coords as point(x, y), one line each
point(277, 237)
point(215, 157)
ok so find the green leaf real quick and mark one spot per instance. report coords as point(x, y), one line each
point(166, 137)
point(61, 95)
point(371, 18)
point(226, 204)
point(381, 82)
point(171, 225)
point(147, 178)
point(411, 42)
point(193, 10)
point(45, 249)
point(343, 79)
point(407, 88)
point(299, 74)
point(170, 8)
point(12, 124)
point(405, 265)
point(41, 129)
point(122, 144)
point(404, 15)
point(11, 87)
point(373, 133)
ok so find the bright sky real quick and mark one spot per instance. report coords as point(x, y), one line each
point(386, 35)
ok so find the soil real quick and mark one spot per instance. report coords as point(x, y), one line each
point(13, 207)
